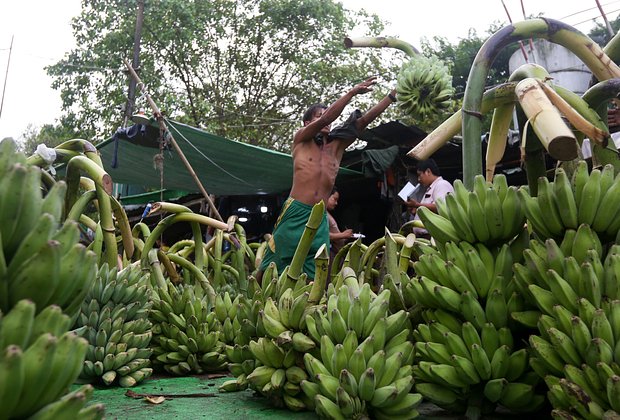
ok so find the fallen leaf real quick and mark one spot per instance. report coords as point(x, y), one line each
point(155, 400)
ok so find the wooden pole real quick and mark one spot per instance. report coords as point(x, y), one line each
point(6, 75)
point(131, 95)
point(162, 126)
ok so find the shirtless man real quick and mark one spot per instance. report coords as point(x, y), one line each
point(317, 153)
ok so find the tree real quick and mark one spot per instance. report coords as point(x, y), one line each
point(50, 135)
point(242, 69)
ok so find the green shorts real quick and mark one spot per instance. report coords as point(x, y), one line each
point(287, 233)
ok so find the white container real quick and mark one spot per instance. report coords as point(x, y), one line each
point(565, 67)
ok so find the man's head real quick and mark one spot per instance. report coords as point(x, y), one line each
point(313, 113)
point(332, 201)
point(428, 171)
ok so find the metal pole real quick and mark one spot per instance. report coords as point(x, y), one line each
point(6, 75)
point(162, 126)
point(131, 95)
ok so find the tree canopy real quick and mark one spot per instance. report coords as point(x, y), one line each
point(243, 69)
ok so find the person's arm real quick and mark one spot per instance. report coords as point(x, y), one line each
point(345, 234)
point(308, 132)
point(370, 115)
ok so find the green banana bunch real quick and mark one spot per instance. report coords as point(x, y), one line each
point(591, 198)
point(186, 333)
point(39, 359)
point(424, 86)
point(42, 260)
point(464, 368)
point(491, 214)
point(71, 406)
point(114, 320)
point(278, 340)
point(226, 314)
point(362, 363)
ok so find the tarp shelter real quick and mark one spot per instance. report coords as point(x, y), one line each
point(225, 167)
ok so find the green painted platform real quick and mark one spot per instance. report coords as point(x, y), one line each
point(229, 406)
point(243, 405)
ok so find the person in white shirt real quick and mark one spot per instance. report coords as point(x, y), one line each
point(436, 188)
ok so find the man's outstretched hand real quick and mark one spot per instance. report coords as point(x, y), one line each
point(365, 86)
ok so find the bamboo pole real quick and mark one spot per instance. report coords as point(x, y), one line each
point(164, 128)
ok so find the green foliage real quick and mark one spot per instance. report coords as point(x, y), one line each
point(50, 135)
point(243, 69)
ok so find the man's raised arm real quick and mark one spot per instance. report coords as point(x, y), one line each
point(370, 115)
point(308, 132)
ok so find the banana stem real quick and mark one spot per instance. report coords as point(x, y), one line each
point(555, 31)
point(155, 268)
point(321, 260)
point(175, 218)
point(82, 163)
point(555, 136)
point(142, 229)
point(123, 226)
point(198, 275)
point(172, 272)
point(497, 96)
point(79, 206)
point(165, 207)
point(405, 253)
point(381, 42)
point(107, 225)
point(317, 215)
point(390, 256)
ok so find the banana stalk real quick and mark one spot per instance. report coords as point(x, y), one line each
point(555, 31)
point(168, 266)
point(578, 118)
point(106, 221)
point(556, 137)
point(79, 205)
point(305, 242)
point(166, 207)
point(500, 124)
point(390, 256)
point(96, 172)
point(175, 218)
point(499, 95)
point(123, 226)
point(198, 275)
point(155, 268)
point(142, 229)
point(598, 95)
point(321, 274)
point(404, 260)
point(381, 42)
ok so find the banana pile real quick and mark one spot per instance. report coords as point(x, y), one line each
point(226, 314)
point(591, 198)
point(468, 356)
point(278, 351)
point(186, 333)
point(39, 359)
point(424, 86)
point(492, 213)
point(575, 293)
point(39, 260)
point(361, 367)
point(114, 320)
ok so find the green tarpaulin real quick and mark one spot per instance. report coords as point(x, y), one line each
point(225, 167)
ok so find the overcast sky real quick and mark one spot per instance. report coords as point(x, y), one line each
point(42, 35)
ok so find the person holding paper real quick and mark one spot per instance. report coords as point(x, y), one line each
point(435, 188)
